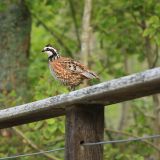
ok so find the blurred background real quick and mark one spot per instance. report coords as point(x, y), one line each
point(113, 37)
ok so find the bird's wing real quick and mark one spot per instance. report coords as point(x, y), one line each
point(76, 67)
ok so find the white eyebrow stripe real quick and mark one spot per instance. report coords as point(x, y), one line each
point(51, 48)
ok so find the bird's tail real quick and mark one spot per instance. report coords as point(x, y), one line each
point(90, 75)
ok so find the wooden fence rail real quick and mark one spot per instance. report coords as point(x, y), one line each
point(84, 110)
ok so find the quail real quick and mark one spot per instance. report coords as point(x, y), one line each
point(68, 71)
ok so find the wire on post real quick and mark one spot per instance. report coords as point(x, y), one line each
point(31, 154)
point(84, 144)
point(121, 141)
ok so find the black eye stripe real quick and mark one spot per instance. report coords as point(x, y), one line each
point(49, 49)
point(52, 50)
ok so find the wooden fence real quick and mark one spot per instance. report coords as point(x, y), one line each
point(84, 111)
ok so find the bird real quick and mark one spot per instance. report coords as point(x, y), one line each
point(69, 72)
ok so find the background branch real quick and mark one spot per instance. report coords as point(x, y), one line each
point(131, 135)
point(33, 145)
point(73, 13)
point(59, 40)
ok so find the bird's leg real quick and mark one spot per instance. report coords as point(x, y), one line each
point(71, 88)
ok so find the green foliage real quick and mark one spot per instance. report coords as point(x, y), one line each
point(3, 6)
point(117, 154)
point(153, 28)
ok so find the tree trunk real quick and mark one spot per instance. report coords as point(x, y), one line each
point(86, 34)
point(86, 31)
point(124, 117)
point(150, 53)
point(15, 31)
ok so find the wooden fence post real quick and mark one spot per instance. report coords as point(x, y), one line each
point(84, 123)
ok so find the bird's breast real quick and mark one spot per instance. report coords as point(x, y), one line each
point(60, 72)
point(53, 73)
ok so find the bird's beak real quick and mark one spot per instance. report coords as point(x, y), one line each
point(43, 50)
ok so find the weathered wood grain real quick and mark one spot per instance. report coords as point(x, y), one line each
point(84, 123)
point(114, 91)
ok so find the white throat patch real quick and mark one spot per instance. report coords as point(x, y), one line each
point(49, 53)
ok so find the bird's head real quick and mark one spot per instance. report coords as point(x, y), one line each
point(50, 51)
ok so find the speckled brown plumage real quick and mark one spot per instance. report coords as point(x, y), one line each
point(66, 70)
